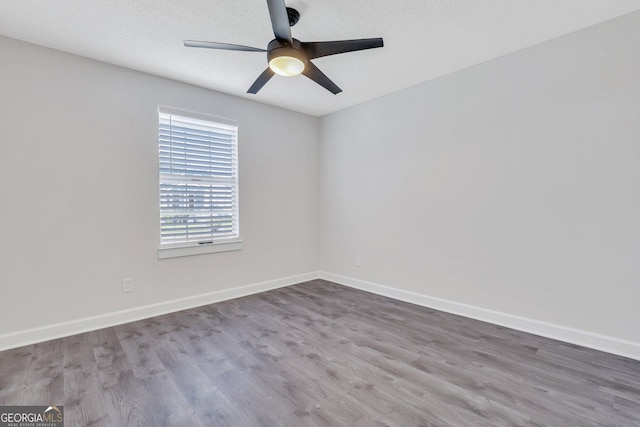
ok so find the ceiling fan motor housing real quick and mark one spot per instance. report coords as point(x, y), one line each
point(277, 48)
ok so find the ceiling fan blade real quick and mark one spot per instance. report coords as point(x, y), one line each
point(223, 46)
point(314, 73)
point(319, 49)
point(279, 20)
point(261, 81)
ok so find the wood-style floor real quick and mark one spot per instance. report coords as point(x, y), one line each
point(319, 354)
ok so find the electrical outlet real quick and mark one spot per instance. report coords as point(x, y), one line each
point(357, 261)
point(127, 285)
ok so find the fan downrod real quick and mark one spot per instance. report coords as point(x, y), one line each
point(294, 16)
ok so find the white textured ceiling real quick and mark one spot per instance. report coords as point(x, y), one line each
point(424, 39)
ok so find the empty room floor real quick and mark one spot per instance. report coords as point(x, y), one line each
point(320, 354)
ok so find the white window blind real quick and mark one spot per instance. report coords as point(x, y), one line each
point(198, 180)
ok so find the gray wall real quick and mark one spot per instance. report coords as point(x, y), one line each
point(79, 190)
point(512, 186)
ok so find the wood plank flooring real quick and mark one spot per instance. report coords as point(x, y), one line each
point(319, 354)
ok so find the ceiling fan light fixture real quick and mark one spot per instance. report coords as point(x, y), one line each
point(286, 65)
point(288, 56)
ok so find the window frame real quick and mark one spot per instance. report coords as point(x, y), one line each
point(188, 248)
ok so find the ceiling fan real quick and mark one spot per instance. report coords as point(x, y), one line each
point(288, 56)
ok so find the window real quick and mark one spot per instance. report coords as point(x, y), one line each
point(198, 185)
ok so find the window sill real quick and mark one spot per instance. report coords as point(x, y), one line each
point(180, 251)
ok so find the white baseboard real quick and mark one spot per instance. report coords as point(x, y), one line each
point(596, 341)
point(64, 329)
point(592, 340)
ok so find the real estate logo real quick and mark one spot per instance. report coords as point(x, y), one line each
point(32, 416)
